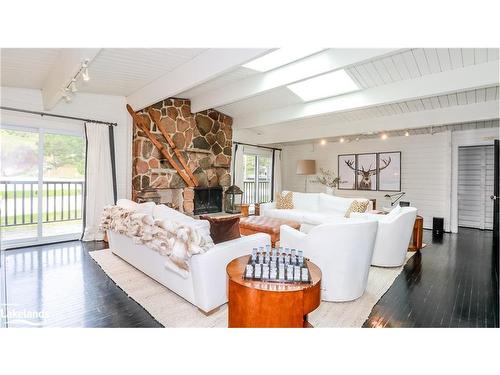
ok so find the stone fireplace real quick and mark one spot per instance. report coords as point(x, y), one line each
point(205, 141)
point(207, 200)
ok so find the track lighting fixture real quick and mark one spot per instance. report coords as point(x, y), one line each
point(85, 74)
point(407, 133)
point(342, 140)
point(67, 95)
point(72, 86)
point(384, 136)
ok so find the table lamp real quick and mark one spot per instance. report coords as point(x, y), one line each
point(306, 168)
point(397, 195)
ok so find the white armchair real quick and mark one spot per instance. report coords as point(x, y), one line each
point(393, 235)
point(343, 251)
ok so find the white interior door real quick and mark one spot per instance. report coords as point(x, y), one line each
point(475, 185)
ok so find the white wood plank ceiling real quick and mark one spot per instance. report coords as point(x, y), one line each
point(114, 71)
point(26, 67)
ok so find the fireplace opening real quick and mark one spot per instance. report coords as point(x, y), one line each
point(207, 200)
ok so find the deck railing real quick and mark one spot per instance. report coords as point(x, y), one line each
point(61, 201)
point(263, 193)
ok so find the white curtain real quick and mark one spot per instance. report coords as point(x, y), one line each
point(277, 173)
point(99, 179)
point(238, 165)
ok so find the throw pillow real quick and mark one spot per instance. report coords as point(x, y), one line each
point(223, 229)
point(356, 206)
point(284, 202)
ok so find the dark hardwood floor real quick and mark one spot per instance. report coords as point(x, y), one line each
point(451, 283)
point(64, 282)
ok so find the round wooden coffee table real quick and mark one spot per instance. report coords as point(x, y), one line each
point(261, 304)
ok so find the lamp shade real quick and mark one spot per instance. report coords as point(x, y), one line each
point(306, 167)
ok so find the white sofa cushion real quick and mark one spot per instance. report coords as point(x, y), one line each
point(292, 214)
point(139, 208)
point(317, 218)
point(306, 201)
point(393, 213)
point(328, 203)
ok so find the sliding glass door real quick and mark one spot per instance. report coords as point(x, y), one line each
point(41, 185)
point(3, 291)
point(257, 178)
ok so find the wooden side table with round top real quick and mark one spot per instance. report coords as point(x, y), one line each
point(262, 304)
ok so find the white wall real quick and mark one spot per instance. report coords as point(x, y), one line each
point(426, 169)
point(98, 107)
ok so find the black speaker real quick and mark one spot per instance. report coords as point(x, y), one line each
point(404, 204)
point(437, 226)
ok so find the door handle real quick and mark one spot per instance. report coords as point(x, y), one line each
point(494, 197)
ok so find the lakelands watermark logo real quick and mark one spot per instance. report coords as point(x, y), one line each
point(21, 317)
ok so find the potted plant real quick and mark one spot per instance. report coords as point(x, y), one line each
point(328, 179)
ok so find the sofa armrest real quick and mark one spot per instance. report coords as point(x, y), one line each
point(367, 215)
point(266, 206)
point(291, 238)
point(209, 269)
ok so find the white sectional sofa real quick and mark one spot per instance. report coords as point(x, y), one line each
point(393, 235)
point(205, 286)
point(312, 209)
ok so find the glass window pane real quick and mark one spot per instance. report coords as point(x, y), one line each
point(63, 176)
point(18, 184)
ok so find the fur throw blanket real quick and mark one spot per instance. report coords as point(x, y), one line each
point(176, 241)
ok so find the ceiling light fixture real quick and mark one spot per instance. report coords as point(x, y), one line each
point(279, 58)
point(407, 133)
point(342, 140)
point(85, 74)
point(72, 86)
point(67, 95)
point(323, 142)
point(383, 136)
point(324, 86)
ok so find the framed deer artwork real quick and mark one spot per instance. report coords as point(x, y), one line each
point(389, 166)
point(371, 171)
point(366, 172)
point(347, 176)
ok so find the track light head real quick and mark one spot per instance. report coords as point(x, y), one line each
point(384, 136)
point(72, 86)
point(85, 74)
point(407, 133)
point(342, 140)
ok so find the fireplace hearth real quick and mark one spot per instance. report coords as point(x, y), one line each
point(207, 200)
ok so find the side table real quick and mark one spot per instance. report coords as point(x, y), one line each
point(262, 304)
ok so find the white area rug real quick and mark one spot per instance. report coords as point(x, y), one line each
point(173, 311)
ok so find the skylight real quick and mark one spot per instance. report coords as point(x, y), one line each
point(279, 58)
point(324, 86)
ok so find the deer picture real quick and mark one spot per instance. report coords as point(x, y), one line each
point(365, 181)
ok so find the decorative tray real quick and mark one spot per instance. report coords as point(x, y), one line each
point(286, 266)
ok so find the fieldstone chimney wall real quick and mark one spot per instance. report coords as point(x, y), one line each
point(205, 139)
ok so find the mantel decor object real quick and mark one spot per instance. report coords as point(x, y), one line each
point(148, 195)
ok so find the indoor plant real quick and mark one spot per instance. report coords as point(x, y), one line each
point(328, 179)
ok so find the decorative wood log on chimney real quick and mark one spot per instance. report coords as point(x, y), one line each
point(203, 140)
